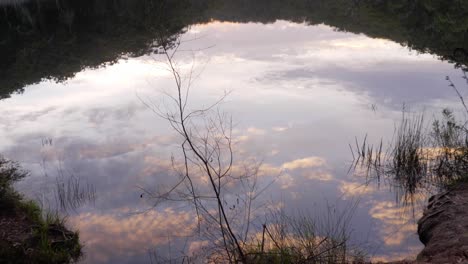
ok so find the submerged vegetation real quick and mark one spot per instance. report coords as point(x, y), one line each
point(305, 238)
point(71, 192)
point(450, 139)
point(420, 156)
point(408, 158)
point(27, 234)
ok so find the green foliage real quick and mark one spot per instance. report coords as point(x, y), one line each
point(32, 211)
point(448, 133)
point(50, 242)
point(48, 250)
point(10, 172)
point(419, 159)
point(56, 39)
point(307, 239)
point(53, 243)
point(409, 162)
point(450, 141)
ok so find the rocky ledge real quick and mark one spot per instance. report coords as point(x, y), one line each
point(443, 228)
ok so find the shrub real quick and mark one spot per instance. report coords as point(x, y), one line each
point(10, 172)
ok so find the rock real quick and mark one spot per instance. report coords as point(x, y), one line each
point(443, 228)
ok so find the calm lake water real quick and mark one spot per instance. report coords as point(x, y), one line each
point(299, 94)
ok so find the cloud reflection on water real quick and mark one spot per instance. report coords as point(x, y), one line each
point(299, 95)
point(112, 235)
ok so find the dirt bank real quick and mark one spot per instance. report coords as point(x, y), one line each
point(443, 229)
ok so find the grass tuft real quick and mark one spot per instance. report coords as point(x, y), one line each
point(29, 235)
point(418, 159)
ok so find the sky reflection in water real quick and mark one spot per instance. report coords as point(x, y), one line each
point(299, 96)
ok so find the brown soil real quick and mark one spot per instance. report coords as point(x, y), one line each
point(20, 240)
point(16, 231)
point(443, 229)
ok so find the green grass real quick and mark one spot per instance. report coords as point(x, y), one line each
point(450, 137)
point(418, 159)
point(50, 242)
point(42, 247)
point(304, 238)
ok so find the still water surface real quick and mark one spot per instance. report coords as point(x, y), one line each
point(299, 95)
